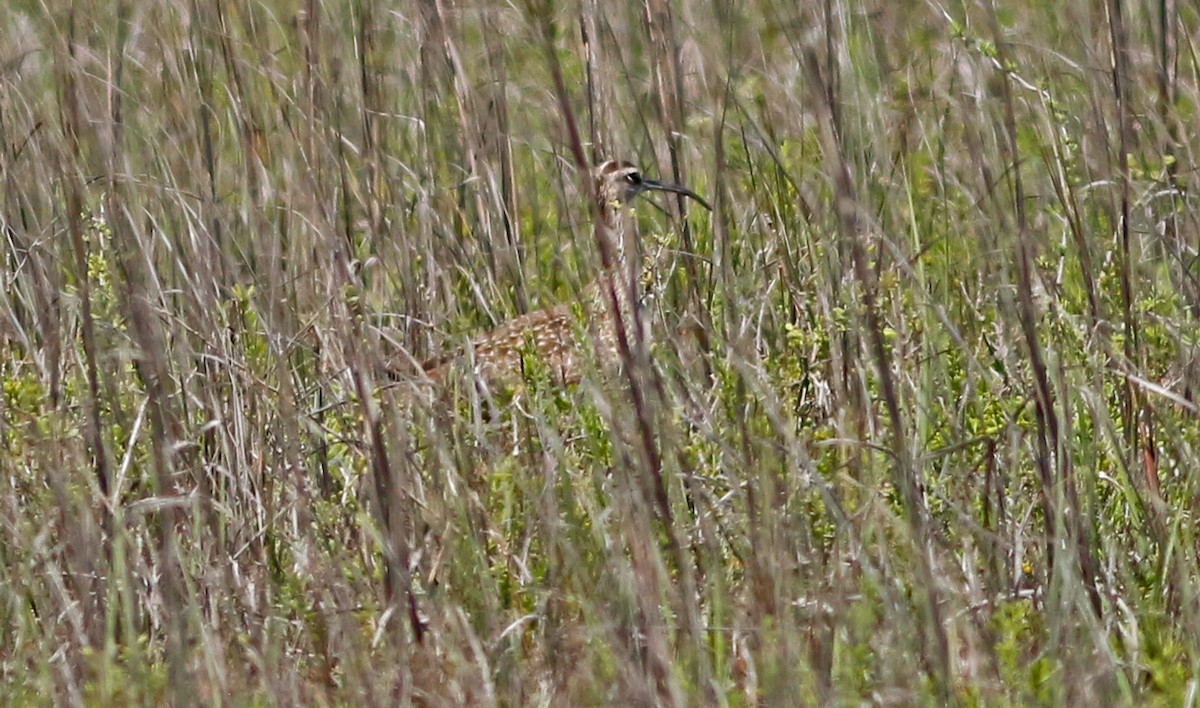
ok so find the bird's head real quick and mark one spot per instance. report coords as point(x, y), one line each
point(619, 182)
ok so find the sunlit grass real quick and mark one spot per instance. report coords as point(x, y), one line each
point(915, 423)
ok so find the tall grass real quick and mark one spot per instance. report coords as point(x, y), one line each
point(915, 422)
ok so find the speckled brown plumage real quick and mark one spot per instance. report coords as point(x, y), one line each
point(554, 335)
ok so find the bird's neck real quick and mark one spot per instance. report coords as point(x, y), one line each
point(617, 231)
point(619, 272)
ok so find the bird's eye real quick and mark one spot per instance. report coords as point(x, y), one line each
point(633, 178)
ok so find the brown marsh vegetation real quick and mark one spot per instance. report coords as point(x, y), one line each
point(915, 421)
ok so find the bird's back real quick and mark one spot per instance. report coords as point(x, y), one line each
point(499, 356)
point(554, 336)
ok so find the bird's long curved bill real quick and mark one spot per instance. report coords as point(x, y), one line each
point(678, 189)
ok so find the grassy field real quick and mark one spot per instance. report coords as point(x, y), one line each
point(914, 423)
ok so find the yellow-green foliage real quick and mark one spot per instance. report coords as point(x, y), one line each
point(918, 424)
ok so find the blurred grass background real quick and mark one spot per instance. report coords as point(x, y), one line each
point(916, 426)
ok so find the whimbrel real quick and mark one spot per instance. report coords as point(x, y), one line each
point(553, 334)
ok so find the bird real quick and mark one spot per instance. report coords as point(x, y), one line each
point(555, 334)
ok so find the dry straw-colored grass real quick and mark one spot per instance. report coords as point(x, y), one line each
point(915, 421)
